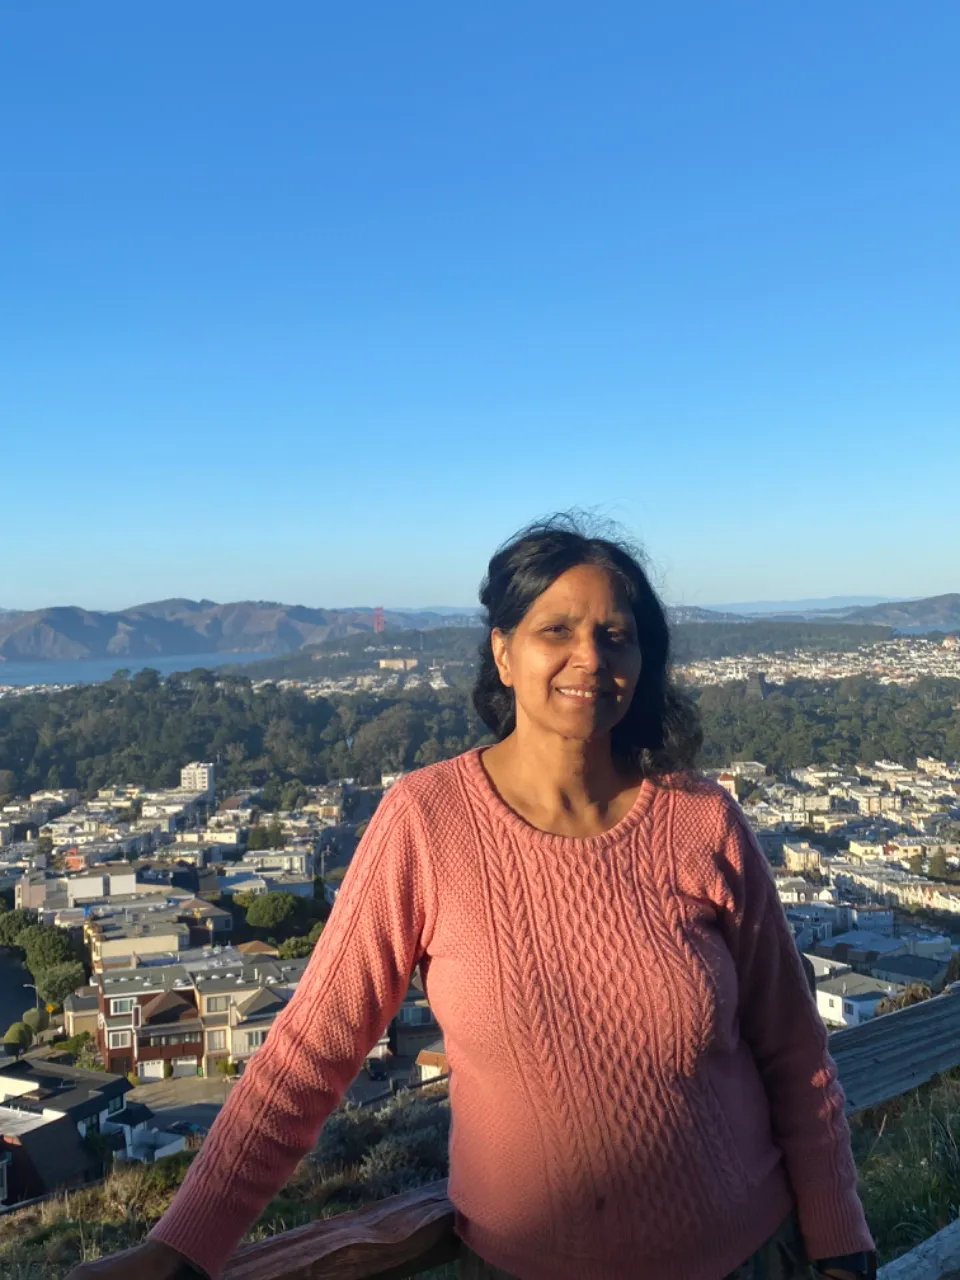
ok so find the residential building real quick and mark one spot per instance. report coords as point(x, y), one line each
point(431, 1063)
point(849, 999)
point(81, 1012)
point(801, 856)
point(47, 1108)
point(199, 778)
point(149, 1022)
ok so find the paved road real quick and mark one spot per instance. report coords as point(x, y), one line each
point(198, 1099)
point(192, 1098)
point(14, 998)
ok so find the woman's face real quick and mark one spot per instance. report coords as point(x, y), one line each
point(574, 660)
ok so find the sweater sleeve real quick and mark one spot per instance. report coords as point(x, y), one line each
point(780, 1023)
point(354, 984)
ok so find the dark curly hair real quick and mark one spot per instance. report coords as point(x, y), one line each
point(661, 729)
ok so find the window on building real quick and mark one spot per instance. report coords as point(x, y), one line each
point(216, 1040)
point(115, 1104)
point(122, 1004)
point(218, 1004)
point(119, 1039)
point(255, 1039)
point(415, 1015)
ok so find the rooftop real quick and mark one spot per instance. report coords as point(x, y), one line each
point(856, 986)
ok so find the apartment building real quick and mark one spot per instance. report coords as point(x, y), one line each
point(198, 777)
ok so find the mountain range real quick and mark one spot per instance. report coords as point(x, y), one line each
point(180, 627)
point(934, 613)
point(174, 627)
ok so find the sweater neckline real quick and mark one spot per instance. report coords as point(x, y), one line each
point(473, 763)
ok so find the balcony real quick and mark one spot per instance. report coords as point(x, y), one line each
point(409, 1234)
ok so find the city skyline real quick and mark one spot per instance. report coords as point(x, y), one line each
point(324, 307)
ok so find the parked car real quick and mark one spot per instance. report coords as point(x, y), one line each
point(186, 1127)
point(375, 1068)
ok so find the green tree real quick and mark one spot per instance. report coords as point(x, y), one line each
point(270, 910)
point(937, 866)
point(295, 948)
point(257, 838)
point(45, 946)
point(17, 1039)
point(60, 981)
point(915, 863)
point(13, 923)
point(88, 1056)
point(74, 1044)
point(293, 794)
point(313, 937)
point(37, 1020)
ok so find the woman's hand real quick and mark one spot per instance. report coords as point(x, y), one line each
point(152, 1260)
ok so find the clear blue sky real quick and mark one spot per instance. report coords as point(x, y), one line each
point(318, 302)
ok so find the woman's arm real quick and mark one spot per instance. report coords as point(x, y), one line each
point(355, 982)
point(780, 1023)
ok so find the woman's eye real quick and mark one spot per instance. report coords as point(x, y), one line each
point(557, 629)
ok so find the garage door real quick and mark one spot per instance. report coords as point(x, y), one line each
point(150, 1070)
point(184, 1066)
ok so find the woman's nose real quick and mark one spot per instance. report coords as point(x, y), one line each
point(588, 655)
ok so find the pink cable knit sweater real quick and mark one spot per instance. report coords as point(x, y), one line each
point(640, 1084)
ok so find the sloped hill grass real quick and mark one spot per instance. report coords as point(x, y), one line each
point(364, 1154)
point(908, 1154)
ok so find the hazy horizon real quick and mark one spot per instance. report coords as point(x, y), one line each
point(758, 606)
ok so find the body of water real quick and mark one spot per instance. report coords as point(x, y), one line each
point(92, 670)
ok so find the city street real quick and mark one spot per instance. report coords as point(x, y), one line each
point(198, 1100)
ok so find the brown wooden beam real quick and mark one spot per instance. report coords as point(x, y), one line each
point(400, 1236)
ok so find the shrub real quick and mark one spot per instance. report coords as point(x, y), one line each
point(295, 948)
point(17, 1039)
point(37, 1020)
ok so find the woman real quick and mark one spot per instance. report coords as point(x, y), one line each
point(640, 1084)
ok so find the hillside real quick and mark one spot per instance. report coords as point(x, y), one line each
point(933, 613)
point(172, 627)
point(939, 613)
point(364, 1154)
point(169, 628)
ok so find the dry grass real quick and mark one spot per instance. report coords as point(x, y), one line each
point(908, 1153)
point(364, 1154)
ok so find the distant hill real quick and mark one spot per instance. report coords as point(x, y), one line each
point(935, 613)
point(820, 604)
point(167, 628)
point(681, 614)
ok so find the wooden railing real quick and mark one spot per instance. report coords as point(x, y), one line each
point(407, 1234)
